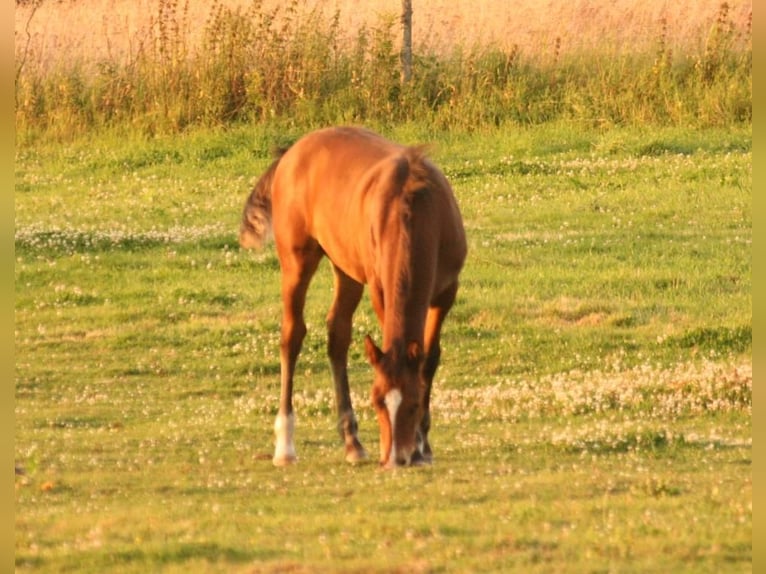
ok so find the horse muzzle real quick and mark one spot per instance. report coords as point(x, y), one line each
point(400, 459)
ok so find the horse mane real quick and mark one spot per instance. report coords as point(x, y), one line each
point(415, 177)
point(420, 176)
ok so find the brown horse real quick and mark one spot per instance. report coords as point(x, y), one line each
point(386, 216)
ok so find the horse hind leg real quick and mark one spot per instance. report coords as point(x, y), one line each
point(284, 433)
point(297, 271)
point(348, 293)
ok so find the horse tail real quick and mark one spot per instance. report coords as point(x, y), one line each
point(255, 229)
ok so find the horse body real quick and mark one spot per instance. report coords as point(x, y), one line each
point(385, 216)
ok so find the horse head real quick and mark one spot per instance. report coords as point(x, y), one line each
point(397, 396)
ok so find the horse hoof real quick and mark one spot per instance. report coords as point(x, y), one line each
point(285, 460)
point(356, 455)
point(422, 459)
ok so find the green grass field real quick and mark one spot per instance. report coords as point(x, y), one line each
point(592, 412)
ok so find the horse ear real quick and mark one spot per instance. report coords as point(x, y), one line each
point(374, 354)
point(414, 353)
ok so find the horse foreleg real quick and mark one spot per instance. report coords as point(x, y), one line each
point(348, 293)
point(296, 275)
point(432, 336)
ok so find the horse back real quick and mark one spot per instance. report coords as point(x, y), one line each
point(336, 186)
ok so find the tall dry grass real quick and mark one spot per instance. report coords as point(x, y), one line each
point(98, 29)
point(162, 65)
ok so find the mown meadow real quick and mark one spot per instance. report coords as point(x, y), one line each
point(593, 410)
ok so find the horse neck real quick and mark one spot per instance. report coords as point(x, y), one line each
point(405, 309)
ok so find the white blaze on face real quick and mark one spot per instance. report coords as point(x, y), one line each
point(393, 400)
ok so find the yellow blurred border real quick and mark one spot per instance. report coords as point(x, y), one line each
point(759, 274)
point(7, 416)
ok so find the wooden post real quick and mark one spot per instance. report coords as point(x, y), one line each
point(406, 54)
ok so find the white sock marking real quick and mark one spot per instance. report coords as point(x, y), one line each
point(284, 428)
